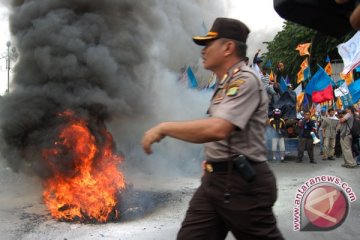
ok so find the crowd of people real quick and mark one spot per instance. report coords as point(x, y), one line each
point(330, 126)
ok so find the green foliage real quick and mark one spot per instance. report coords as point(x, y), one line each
point(282, 48)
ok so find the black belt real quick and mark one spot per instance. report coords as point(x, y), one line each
point(222, 166)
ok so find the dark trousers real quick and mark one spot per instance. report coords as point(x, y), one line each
point(306, 144)
point(355, 147)
point(338, 151)
point(248, 215)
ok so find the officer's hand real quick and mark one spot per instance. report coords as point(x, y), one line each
point(151, 136)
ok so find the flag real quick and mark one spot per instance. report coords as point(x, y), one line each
point(271, 76)
point(347, 101)
point(319, 87)
point(303, 49)
point(268, 64)
point(305, 101)
point(283, 86)
point(350, 53)
point(339, 104)
point(298, 89)
point(300, 76)
point(323, 95)
point(354, 89)
point(192, 82)
point(327, 59)
point(318, 82)
point(299, 101)
point(287, 79)
point(286, 104)
point(328, 69)
point(347, 77)
point(342, 90)
point(304, 64)
point(304, 72)
point(307, 73)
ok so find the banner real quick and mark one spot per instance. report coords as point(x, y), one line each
point(342, 90)
point(350, 53)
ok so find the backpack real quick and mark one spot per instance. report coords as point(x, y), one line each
point(355, 129)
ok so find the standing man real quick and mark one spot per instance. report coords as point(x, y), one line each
point(228, 199)
point(279, 127)
point(320, 120)
point(306, 126)
point(329, 125)
point(280, 71)
point(346, 123)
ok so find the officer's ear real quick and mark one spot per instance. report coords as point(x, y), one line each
point(229, 47)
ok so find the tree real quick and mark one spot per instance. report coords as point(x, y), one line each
point(282, 48)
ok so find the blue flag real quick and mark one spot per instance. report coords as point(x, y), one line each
point(287, 79)
point(283, 86)
point(307, 73)
point(346, 101)
point(318, 82)
point(191, 77)
point(268, 64)
point(305, 101)
point(354, 89)
point(327, 59)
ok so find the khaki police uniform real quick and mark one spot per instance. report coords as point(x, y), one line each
point(240, 99)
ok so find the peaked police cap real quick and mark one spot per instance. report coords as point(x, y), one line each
point(224, 28)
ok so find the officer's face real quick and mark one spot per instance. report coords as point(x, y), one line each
point(212, 54)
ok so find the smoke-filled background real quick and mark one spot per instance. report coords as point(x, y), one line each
point(111, 61)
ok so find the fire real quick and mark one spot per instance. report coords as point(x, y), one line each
point(85, 184)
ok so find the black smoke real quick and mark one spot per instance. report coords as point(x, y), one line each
point(111, 62)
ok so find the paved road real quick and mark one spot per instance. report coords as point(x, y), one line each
point(23, 216)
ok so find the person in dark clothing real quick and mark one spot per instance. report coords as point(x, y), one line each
point(306, 126)
point(280, 71)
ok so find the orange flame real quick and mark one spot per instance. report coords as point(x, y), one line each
point(88, 190)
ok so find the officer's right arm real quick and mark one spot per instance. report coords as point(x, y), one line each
point(195, 131)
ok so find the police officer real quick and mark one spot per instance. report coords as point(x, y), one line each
point(227, 200)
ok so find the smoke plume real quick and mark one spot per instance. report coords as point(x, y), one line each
point(110, 61)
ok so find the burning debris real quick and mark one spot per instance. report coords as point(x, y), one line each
point(87, 189)
point(81, 65)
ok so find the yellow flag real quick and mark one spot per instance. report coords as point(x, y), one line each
point(303, 49)
point(328, 69)
point(300, 76)
point(299, 101)
point(271, 76)
point(339, 103)
point(304, 64)
point(348, 78)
